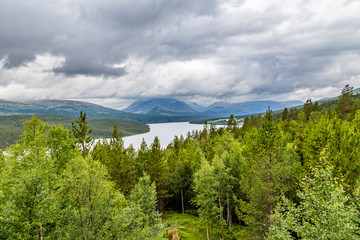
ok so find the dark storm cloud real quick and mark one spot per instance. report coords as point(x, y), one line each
point(12, 61)
point(205, 49)
point(84, 67)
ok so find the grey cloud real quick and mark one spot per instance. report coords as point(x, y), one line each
point(17, 60)
point(292, 50)
point(84, 67)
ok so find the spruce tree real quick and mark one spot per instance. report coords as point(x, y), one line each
point(81, 132)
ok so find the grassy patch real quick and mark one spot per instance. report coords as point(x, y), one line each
point(190, 227)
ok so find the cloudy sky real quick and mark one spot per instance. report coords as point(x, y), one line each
point(113, 52)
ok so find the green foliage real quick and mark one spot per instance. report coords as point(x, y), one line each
point(269, 171)
point(144, 195)
point(120, 165)
point(243, 184)
point(324, 211)
point(190, 227)
point(231, 123)
point(158, 171)
point(11, 127)
point(62, 146)
point(81, 132)
point(2, 160)
point(27, 185)
point(139, 220)
point(345, 104)
point(87, 201)
point(48, 191)
point(205, 188)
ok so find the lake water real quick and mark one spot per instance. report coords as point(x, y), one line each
point(164, 131)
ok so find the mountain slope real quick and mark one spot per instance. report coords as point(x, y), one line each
point(11, 127)
point(248, 107)
point(59, 107)
point(158, 106)
point(72, 108)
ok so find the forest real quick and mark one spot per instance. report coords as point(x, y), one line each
point(289, 175)
point(11, 126)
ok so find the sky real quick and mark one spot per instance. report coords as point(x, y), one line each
point(114, 52)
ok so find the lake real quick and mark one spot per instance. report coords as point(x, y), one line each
point(164, 131)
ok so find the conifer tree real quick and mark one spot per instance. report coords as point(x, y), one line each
point(231, 123)
point(158, 171)
point(81, 132)
point(120, 165)
point(345, 103)
point(269, 168)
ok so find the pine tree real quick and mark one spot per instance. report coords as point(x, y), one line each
point(158, 171)
point(119, 164)
point(231, 123)
point(81, 132)
point(269, 168)
point(345, 103)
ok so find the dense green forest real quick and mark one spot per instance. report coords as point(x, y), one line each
point(11, 127)
point(289, 175)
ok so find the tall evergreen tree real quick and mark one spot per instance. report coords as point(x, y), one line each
point(270, 164)
point(81, 132)
point(345, 103)
point(120, 165)
point(231, 124)
point(158, 172)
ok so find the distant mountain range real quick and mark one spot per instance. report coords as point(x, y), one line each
point(173, 107)
point(72, 108)
point(157, 110)
point(160, 106)
point(59, 107)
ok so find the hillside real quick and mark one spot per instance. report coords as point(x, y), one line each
point(12, 126)
point(72, 109)
point(60, 107)
point(249, 107)
point(173, 107)
point(160, 106)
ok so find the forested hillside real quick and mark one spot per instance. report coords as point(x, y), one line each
point(11, 127)
point(294, 175)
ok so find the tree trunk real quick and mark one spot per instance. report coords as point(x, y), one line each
point(41, 233)
point(271, 197)
point(229, 217)
point(182, 201)
point(221, 212)
point(207, 232)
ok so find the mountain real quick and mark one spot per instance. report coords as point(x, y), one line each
point(72, 108)
point(160, 106)
point(196, 107)
point(59, 107)
point(173, 107)
point(223, 108)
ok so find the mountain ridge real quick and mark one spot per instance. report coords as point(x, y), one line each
point(149, 106)
point(171, 107)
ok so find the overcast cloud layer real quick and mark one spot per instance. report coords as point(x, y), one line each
point(114, 52)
